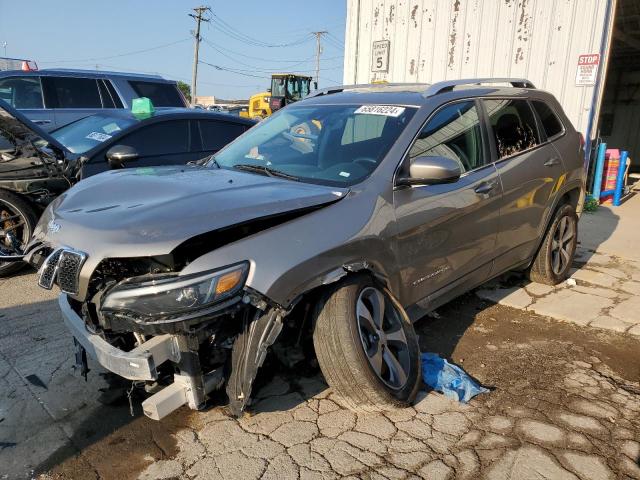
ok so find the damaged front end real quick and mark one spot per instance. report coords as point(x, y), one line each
point(181, 336)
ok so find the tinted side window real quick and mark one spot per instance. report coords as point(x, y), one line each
point(216, 135)
point(69, 92)
point(513, 125)
point(160, 94)
point(160, 138)
point(453, 132)
point(550, 122)
point(21, 92)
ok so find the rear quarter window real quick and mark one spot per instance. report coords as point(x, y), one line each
point(160, 94)
point(550, 121)
point(513, 125)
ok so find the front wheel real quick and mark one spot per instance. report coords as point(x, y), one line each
point(17, 221)
point(555, 256)
point(366, 347)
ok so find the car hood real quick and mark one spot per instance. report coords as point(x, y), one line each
point(150, 211)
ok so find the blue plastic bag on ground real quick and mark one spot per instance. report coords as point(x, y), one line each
point(449, 379)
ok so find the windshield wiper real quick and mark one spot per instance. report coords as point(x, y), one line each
point(265, 170)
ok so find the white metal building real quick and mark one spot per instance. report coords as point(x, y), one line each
point(586, 52)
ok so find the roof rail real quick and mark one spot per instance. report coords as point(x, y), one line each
point(448, 85)
point(330, 90)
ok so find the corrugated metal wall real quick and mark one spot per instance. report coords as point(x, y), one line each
point(434, 40)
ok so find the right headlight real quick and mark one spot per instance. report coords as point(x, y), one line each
point(176, 295)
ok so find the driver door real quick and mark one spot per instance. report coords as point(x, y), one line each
point(446, 234)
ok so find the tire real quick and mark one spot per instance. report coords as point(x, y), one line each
point(553, 261)
point(341, 335)
point(10, 205)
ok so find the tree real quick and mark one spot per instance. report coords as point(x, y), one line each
point(185, 88)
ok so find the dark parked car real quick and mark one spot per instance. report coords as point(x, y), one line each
point(339, 220)
point(53, 98)
point(36, 166)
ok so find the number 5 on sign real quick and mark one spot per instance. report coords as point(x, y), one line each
point(380, 56)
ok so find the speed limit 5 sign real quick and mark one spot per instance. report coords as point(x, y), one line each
point(380, 56)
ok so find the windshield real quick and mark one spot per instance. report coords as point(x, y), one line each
point(338, 145)
point(278, 86)
point(84, 134)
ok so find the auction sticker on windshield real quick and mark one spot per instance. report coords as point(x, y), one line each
point(386, 110)
point(100, 137)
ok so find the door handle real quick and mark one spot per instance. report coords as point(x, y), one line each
point(41, 122)
point(551, 162)
point(485, 187)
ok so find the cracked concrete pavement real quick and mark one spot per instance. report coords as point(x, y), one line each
point(565, 404)
point(602, 292)
point(565, 399)
point(586, 428)
point(604, 288)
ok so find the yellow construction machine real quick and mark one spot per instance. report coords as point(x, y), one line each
point(286, 88)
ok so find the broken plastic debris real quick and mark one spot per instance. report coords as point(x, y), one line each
point(449, 379)
point(571, 282)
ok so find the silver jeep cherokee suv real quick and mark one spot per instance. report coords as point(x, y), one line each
point(347, 215)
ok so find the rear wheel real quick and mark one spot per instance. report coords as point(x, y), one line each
point(555, 257)
point(17, 221)
point(366, 347)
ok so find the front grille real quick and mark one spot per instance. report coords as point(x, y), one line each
point(48, 270)
point(62, 267)
point(69, 267)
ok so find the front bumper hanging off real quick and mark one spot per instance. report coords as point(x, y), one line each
point(140, 364)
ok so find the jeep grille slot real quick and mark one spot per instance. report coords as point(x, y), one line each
point(69, 267)
point(62, 267)
point(48, 270)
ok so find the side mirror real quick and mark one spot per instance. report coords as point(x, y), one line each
point(431, 170)
point(118, 155)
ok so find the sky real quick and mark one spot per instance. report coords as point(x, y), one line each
point(250, 37)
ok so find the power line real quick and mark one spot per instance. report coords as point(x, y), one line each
point(237, 35)
point(238, 72)
point(135, 52)
point(335, 39)
point(217, 47)
point(292, 64)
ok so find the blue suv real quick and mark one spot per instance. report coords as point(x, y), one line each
point(54, 98)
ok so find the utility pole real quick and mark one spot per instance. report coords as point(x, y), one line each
point(200, 11)
point(318, 52)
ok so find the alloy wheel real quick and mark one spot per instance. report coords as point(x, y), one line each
point(562, 244)
point(13, 229)
point(383, 338)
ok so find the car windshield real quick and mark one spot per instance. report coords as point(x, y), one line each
point(337, 145)
point(84, 134)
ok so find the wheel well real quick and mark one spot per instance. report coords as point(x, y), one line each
point(572, 197)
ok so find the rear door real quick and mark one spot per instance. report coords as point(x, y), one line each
point(446, 234)
point(531, 172)
point(24, 93)
point(71, 98)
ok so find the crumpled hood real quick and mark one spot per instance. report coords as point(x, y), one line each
point(150, 211)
